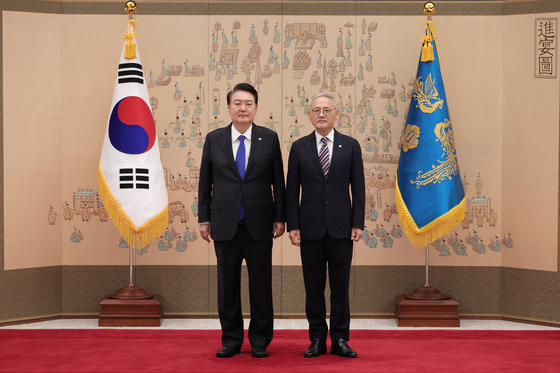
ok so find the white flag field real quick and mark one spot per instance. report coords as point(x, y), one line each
point(131, 178)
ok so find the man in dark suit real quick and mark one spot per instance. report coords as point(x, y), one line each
point(326, 165)
point(241, 206)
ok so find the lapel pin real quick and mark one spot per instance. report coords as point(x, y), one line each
point(340, 146)
point(260, 138)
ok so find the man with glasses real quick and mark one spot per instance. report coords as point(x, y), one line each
point(325, 205)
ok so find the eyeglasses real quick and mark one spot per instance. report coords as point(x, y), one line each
point(326, 111)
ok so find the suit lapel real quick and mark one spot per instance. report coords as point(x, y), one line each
point(336, 151)
point(311, 145)
point(256, 142)
point(225, 145)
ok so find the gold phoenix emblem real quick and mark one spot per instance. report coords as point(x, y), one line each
point(446, 168)
point(426, 95)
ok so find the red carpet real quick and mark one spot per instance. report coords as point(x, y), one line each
point(140, 350)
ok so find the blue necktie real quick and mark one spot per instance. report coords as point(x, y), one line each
point(240, 163)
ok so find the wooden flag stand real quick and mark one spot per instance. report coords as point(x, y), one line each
point(131, 306)
point(427, 307)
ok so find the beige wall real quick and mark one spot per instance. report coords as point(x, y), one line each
point(87, 47)
point(33, 174)
point(530, 150)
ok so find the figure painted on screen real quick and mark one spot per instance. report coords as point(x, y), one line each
point(324, 43)
point(461, 248)
point(184, 108)
point(180, 245)
point(292, 106)
point(348, 43)
point(77, 236)
point(271, 55)
point(151, 81)
point(276, 34)
point(51, 216)
point(361, 48)
point(369, 63)
point(443, 249)
point(197, 105)
point(495, 244)
point(373, 125)
point(349, 106)
point(212, 64)
point(187, 68)
point(252, 35)
point(286, 62)
point(182, 140)
point(367, 43)
point(189, 236)
point(287, 39)
point(177, 124)
point(164, 140)
point(397, 231)
point(194, 207)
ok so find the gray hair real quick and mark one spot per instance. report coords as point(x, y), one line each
point(323, 94)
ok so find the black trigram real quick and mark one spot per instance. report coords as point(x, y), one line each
point(130, 73)
point(131, 178)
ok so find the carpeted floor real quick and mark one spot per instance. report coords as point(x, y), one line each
point(143, 350)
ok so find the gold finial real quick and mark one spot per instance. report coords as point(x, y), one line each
point(429, 9)
point(130, 7)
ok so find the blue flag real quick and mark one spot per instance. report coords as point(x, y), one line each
point(429, 192)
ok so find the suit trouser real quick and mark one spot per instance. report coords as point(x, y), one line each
point(258, 257)
point(315, 255)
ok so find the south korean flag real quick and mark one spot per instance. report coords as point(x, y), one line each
point(131, 179)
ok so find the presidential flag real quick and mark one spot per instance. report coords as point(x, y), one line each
point(131, 179)
point(429, 191)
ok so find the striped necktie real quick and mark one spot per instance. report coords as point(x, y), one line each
point(324, 156)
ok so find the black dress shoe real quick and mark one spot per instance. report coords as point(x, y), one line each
point(340, 348)
point(227, 351)
point(259, 352)
point(316, 348)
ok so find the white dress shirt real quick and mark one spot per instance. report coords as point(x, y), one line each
point(330, 142)
point(235, 142)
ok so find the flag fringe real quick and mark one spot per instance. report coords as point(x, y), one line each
point(437, 228)
point(136, 237)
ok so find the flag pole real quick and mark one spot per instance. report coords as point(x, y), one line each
point(131, 268)
point(427, 263)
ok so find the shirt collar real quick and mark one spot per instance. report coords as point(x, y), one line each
point(235, 133)
point(329, 136)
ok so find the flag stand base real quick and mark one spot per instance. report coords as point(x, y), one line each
point(427, 307)
point(131, 306)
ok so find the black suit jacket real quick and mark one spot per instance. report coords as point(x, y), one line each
point(221, 187)
point(326, 205)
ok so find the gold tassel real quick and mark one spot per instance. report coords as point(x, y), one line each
point(129, 36)
point(427, 52)
point(427, 48)
point(130, 50)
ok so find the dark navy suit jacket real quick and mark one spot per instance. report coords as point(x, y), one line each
point(333, 204)
point(221, 187)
